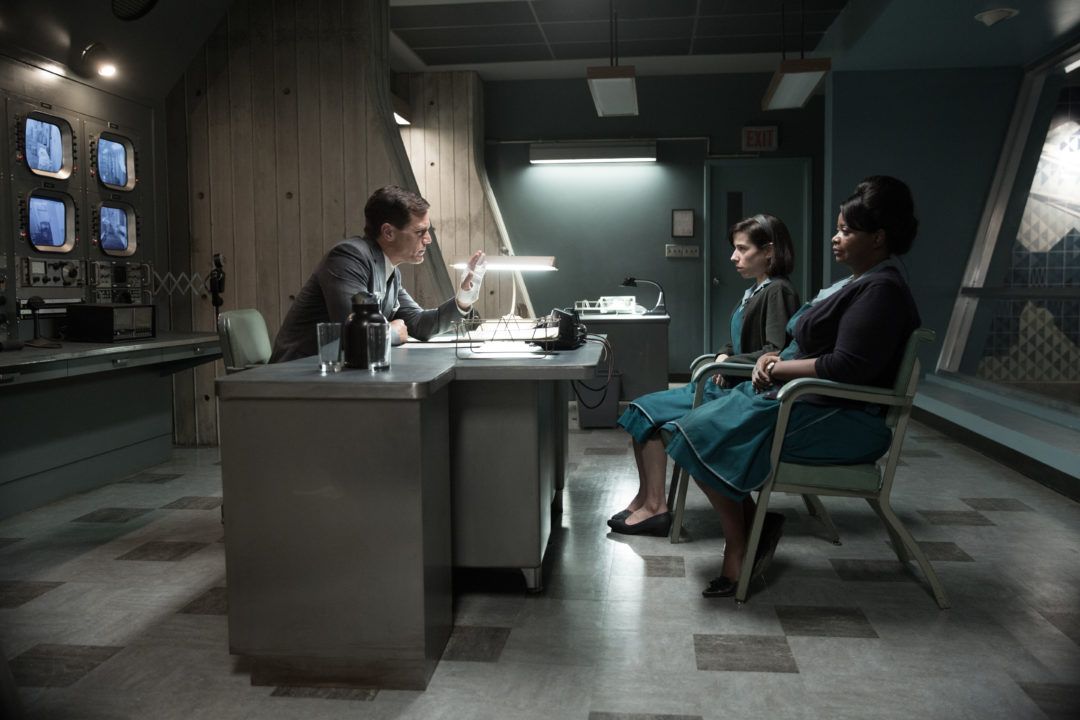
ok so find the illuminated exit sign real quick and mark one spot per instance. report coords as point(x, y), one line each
point(763, 138)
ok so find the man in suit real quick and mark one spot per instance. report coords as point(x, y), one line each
point(396, 231)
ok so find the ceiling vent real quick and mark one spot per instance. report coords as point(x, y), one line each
point(132, 9)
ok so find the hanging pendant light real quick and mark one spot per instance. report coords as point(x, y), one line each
point(795, 80)
point(613, 87)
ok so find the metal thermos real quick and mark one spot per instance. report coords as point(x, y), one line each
point(354, 335)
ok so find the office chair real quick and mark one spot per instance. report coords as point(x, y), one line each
point(245, 342)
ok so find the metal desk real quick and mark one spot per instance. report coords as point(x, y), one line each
point(361, 470)
point(640, 345)
point(81, 415)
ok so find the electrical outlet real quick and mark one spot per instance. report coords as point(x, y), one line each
point(673, 250)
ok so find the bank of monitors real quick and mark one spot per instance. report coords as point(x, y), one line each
point(114, 162)
point(49, 221)
point(47, 145)
point(117, 229)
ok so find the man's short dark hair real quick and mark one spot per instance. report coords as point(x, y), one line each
point(394, 205)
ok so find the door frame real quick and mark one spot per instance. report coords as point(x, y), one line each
point(803, 261)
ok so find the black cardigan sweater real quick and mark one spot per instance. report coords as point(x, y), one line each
point(765, 319)
point(858, 335)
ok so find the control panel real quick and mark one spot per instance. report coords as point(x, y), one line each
point(120, 282)
point(48, 273)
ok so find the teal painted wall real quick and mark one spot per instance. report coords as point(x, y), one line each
point(604, 222)
point(941, 131)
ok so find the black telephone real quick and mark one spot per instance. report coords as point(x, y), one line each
point(571, 332)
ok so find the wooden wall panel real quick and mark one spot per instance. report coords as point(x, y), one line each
point(286, 117)
point(445, 147)
point(264, 164)
point(242, 268)
point(286, 150)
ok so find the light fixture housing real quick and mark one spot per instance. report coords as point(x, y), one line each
point(581, 153)
point(992, 17)
point(402, 111)
point(794, 82)
point(614, 91)
point(95, 59)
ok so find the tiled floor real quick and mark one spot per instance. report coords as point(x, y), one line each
point(113, 605)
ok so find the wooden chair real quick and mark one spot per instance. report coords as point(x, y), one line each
point(872, 481)
point(245, 342)
point(703, 367)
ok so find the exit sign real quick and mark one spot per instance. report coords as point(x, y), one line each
point(760, 139)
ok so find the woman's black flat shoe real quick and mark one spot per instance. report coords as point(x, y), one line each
point(658, 525)
point(621, 515)
point(720, 587)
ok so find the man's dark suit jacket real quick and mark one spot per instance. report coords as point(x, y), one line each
point(353, 265)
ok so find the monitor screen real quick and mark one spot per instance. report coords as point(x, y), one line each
point(114, 228)
point(48, 222)
point(44, 146)
point(112, 163)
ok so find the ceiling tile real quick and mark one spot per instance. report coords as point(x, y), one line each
point(489, 54)
point(636, 48)
point(471, 36)
point(583, 10)
point(766, 23)
point(749, 44)
point(462, 14)
point(628, 30)
point(725, 7)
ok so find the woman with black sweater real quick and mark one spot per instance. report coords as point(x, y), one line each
point(853, 332)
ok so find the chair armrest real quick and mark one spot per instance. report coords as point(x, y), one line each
point(727, 368)
point(845, 391)
point(708, 357)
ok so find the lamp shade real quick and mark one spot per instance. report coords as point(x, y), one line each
point(514, 263)
point(613, 89)
point(794, 82)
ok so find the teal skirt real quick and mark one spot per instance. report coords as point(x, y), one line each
point(647, 414)
point(726, 442)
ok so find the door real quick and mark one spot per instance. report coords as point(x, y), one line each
point(738, 188)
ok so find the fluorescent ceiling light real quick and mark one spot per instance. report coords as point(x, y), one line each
point(579, 153)
point(613, 90)
point(794, 82)
point(514, 263)
point(1072, 66)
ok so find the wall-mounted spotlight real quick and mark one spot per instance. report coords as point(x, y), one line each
point(96, 59)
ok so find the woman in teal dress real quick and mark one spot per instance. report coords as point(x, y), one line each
point(762, 252)
point(853, 332)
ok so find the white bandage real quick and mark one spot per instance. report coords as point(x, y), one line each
point(470, 296)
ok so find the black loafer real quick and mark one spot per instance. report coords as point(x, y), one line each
point(621, 515)
point(720, 587)
point(771, 530)
point(658, 525)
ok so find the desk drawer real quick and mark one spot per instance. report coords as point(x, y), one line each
point(113, 361)
point(187, 352)
point(20, 374)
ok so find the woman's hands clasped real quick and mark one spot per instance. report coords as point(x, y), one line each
point(762, 375)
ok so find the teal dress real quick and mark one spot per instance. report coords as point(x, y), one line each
point(726, 443)
point(646, 414)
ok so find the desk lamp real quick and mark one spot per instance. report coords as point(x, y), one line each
point(514, 263)
point(659, 308)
